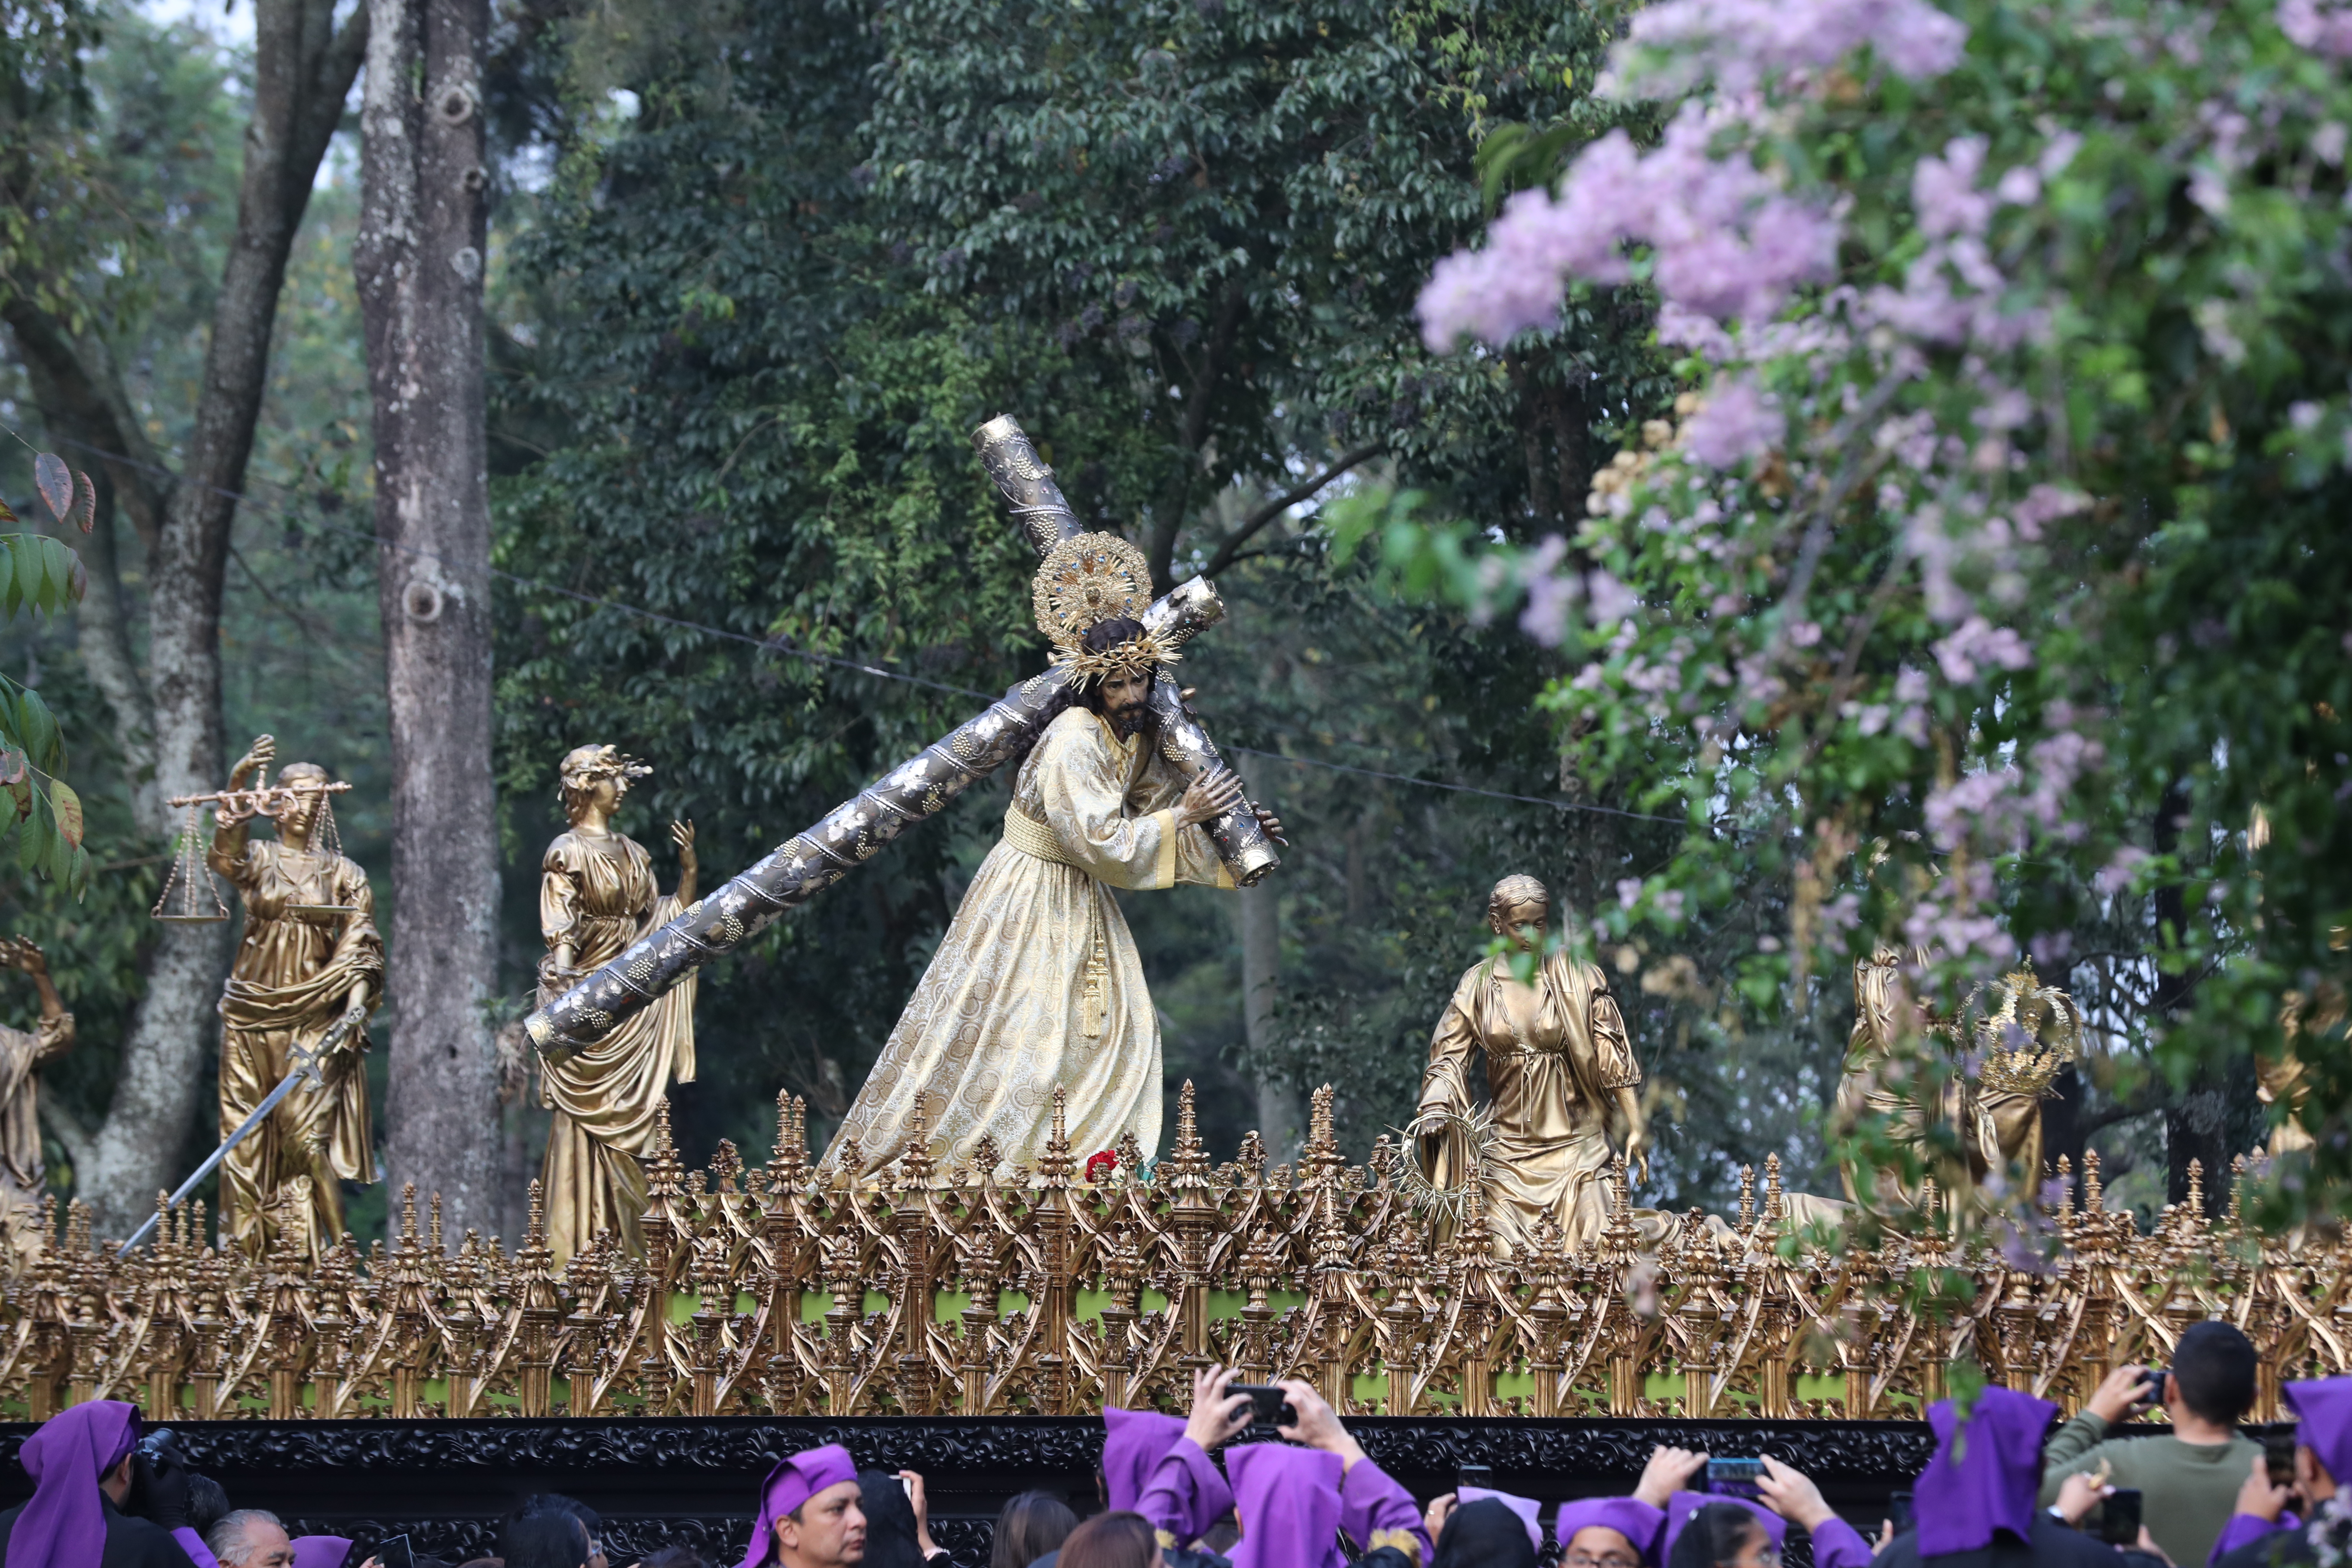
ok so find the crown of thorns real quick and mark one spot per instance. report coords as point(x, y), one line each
point(1088, 579)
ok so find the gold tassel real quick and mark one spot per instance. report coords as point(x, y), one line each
point(1091, 1014)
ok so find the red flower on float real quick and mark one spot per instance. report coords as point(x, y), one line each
point(1100, 1163)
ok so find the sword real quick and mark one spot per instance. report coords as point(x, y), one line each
point(306, 1066)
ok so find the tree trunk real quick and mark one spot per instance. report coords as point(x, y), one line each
point(303, 68)
point(422, 226)
point(1279, 1119)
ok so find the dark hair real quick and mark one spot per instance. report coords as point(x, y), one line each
point(673, 1557)
point(2215, 1364)
point(1106, 635)
point(1716, 1535)
point(208, 1504)
point(1483, 1535)
point(1110, 1540)
point(544, 1504)
point(1031, 1525)
point(552, 1540)
point(889, 1521)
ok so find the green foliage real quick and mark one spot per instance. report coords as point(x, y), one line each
point(2146, 483)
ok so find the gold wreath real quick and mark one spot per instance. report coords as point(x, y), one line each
point(1087, 579)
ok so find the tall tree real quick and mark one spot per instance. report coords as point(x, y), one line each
point(167, 714)
point(419, 257)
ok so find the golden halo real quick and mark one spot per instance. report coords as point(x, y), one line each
point(1088, 578)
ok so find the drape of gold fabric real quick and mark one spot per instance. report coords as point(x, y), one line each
point(23, 1055)
point(295, 972)
point(1037, 984)
point(600, 895)
point(1554, 1085)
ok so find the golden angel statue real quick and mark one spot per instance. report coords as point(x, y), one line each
point(307, 955)
point(2022, 1035)
point(1563, 1075)
point(597, 896)
point(1037, 984)
point(23, 1053)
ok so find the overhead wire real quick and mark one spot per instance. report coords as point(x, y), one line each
point(777, 645)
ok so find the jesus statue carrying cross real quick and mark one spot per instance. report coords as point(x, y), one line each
point(1037, 984)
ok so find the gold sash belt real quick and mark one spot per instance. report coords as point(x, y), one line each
point(1030, 836)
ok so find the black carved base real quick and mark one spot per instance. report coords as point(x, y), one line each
point(696, 1483)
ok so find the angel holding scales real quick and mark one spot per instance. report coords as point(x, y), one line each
point(1037, 984)
point(309, 954)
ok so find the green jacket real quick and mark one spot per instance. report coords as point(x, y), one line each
point(2188, 1491)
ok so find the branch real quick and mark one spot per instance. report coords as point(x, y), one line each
point(80, 390)
point(336, 67)
point(1229, 548)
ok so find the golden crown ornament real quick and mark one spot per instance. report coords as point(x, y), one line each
point(2027, 1031)
point(1086, 579)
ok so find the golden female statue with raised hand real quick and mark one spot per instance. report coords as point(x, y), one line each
point(597, 896)
point(1563, 1075)
point(307, 955)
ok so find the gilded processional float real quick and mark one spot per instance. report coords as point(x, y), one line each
point(947, 1254)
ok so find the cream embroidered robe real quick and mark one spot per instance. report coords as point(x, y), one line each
point(1036, 983)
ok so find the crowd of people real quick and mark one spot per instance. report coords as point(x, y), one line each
point(2002, 1488)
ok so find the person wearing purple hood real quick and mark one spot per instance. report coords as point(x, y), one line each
point(809, 1514)
point(1292, 1503)
point(1976, 1509)
point(1158, 1467)
point(2262, 1532)
point(80, 1463)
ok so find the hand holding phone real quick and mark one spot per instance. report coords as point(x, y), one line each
point(1269, 1405)
point(396, 1552)
point(2119, 1517)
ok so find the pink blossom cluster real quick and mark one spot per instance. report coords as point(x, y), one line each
point(2115, 875)
point(1954, 919)
point(1994, 808)
point(1739, 420)
point(1952, 290)
point(1743, 43)
point(2316, 24)
point(1553, 593)
point(1978, 642)
point(1726, 241)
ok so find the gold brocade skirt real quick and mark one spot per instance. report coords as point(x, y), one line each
point(1036, 983)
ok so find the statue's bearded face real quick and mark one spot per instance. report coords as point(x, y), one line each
point(1121, 697)
point(1523, 925)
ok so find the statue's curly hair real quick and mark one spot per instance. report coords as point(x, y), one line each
point(1519, 888)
